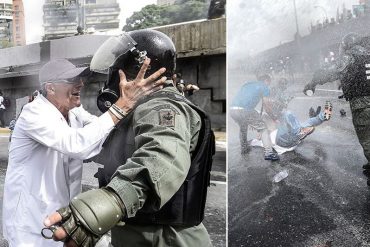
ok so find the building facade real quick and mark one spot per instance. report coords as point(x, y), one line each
point(62, 17)
point(201, 59)
point(19, 32)
point(6, 17)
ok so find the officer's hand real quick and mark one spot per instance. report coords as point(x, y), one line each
point(70, 231)
point(83, 222)
point(132, 91)
point(60, 234)
point(308, 87)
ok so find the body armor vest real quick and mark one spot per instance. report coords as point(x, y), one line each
point(186, 207)
point(355, 79)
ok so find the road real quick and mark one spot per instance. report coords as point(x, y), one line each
point(323, 202)
point(215, 213)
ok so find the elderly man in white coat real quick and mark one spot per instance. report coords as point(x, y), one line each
point(52, 136)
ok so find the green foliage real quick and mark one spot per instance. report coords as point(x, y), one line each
point(149, 16)
point(5, 44)
point(154, 15)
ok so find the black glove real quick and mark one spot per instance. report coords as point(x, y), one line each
point(75, 230)
point(84, 220)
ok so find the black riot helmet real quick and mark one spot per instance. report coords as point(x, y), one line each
point(128, 52)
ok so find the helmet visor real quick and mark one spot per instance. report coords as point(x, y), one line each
point(110, 51)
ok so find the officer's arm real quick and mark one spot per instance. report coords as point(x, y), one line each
point(88, 216)
point(161, 161)
point(156, 170)
point(330, 74)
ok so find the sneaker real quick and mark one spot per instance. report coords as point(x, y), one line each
point(366, 172)
point(305, 132)
point(328, 110)
point(271, 155)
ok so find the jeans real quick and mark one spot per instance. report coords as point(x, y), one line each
point(288, 131)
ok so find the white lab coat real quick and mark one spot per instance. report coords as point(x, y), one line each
point(45, 167)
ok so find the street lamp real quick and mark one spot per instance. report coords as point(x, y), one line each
point(323, 9)
point(296, 18)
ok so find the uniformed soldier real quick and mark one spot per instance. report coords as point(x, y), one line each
point(156, 162)
point(353, 70)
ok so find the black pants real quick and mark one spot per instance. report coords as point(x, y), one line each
point(2, 121)
point(361, 122)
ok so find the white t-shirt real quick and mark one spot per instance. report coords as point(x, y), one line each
point(2, 106)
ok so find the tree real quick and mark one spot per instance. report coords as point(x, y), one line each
point(186, 11)
point(5, 44)
point(154, 15)
point(149, 16)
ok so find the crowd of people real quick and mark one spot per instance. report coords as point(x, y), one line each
point(263, 107)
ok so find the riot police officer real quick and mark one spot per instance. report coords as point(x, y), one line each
point(353, 71)
point(156, 163)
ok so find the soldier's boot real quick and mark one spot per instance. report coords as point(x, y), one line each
point(366, 172)
point(366, 166)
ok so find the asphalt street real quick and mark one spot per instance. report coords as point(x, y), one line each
point(324, 201)
point(215, 213)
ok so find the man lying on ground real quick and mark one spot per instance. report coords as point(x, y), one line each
point(286, 130)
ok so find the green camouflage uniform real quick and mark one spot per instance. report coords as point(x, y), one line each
point(360, 108)
point(164, 134)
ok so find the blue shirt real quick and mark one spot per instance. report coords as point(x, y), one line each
point(250, 94)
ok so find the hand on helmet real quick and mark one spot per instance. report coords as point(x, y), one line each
point(132, 91)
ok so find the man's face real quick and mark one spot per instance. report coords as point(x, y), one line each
point(67, 95)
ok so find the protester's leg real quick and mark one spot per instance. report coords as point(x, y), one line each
point(320, 117)
point(243, 136)
point(315, 121)
point(258, 124)
point(240, 117)
point(292, 122)
point(270, 123)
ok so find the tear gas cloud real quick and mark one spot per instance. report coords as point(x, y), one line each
point(256, 25)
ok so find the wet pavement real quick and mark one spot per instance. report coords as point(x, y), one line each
point(215, 213)
point(323, 202)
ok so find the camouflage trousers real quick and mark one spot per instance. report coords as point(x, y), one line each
point(253, 119)
point(360, 108)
